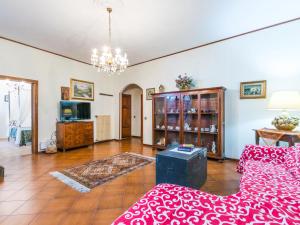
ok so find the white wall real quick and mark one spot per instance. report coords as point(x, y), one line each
point(52, 72)
point(135, 110)
point(4, 112)
point(272, 55)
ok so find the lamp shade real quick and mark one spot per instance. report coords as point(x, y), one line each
point(285, 100)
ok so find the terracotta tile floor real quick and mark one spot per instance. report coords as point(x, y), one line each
point(29, 195)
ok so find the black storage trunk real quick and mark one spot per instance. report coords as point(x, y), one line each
point(182, 169)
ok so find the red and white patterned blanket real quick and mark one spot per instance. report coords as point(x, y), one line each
point(269, 194)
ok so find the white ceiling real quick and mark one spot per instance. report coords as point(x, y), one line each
point(145, 29)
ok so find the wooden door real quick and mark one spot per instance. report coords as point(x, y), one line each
point(126, 115)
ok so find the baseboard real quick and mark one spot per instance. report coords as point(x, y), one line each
point(231, 159)
point(117, 139)
point(136, 136)
point(99, 142)
point(147, 145)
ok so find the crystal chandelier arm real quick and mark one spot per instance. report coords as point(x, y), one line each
point(109, 10)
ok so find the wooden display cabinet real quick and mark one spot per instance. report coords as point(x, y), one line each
point(190, 117)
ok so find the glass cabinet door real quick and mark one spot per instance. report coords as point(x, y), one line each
point(190, 118)
point(159, 121)
point(209, 121)
point(173, 120)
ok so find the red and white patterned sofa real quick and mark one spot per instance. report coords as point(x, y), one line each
point(269, 194)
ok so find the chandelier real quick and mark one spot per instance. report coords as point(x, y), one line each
point(110, 61)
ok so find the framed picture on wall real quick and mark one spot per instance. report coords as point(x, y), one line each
point(65, 93)
point(253, 89)
point(82, 90)
point(149, 93)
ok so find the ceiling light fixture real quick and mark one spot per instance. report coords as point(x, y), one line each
point(109, 61)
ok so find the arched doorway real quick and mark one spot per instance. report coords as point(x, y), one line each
point(131, 112)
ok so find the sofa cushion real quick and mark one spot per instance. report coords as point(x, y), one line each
point(267, 179)
point(271, 154)
point(292, 162)
point(169, 204)
point(276, 190)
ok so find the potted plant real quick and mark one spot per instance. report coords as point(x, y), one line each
point(184, 82)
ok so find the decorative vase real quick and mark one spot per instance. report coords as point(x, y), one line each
point(285, 122)
point(286, 127)
point(161, 88)
point(184, 82)
point(184, 88)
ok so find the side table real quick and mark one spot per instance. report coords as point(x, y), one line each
point(277, 135)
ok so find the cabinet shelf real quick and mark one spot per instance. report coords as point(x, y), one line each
point(158, 129)
point(209, 113)
point(190, 131)
point(213, 133)
point(173, 130)
point(174, 113)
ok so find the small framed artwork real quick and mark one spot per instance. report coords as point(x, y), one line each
point(253, 89)
point(65, 93)
point(149, 93)
point(82, 90)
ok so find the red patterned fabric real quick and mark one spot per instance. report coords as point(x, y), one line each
point(262, 153)
point(292, 163)
point(269, 194)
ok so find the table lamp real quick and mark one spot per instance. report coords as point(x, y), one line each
point(285, 101)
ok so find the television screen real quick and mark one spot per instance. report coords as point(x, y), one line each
point(75, 110)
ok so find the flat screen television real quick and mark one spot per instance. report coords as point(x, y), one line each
point(71, 111)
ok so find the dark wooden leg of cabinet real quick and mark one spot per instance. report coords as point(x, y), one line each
point(1, 171)
point(256, 138)
point(291, 142)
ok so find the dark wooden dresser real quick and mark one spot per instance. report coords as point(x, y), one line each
point(74, 134)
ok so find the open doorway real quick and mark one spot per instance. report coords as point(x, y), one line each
point(18, 120)
point(131, 112)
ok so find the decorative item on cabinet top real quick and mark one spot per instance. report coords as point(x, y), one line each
point(184, 82)
point(161, 88)
point(190, 117)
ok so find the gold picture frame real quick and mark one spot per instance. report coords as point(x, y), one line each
point(65, 93)
point(149, 93)
point(82, 90)
point(253, 89)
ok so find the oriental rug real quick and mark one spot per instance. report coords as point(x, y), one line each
point(89, 175)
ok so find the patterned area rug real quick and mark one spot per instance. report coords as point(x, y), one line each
point(89, 175)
